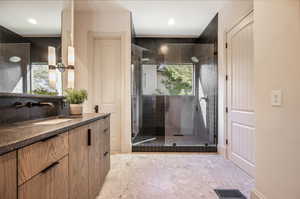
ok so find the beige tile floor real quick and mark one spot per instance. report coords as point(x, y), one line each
point(172, 176)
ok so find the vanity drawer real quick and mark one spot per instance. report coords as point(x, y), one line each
point(51, 183)
point(36, 157)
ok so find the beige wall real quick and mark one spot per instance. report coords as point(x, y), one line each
point(103, 21)
point(229, 15)
point(277, 66)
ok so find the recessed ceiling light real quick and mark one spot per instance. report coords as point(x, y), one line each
point(15, 59)
point(32, 21)
point(171, 22)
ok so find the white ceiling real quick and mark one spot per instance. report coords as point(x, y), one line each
point(150, 18)
point(14, 15)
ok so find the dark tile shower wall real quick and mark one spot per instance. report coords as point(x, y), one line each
point(153, 116)
point(208, 76)
point(9, 113)
point(152, 49)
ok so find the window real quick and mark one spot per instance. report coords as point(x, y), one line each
point(40, 83)
point(175, 79)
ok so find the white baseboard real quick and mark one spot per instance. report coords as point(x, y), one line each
point(222, 151)
point(255, 194)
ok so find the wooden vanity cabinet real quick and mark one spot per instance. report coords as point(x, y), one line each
point(69, 165)
point(51, 183)
point(79, 163)
point(95, 159)
point(8, 176)
point(106, 145)
point(43, 169)
point(36, 157)
point(88, 156)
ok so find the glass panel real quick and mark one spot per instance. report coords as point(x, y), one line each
point(174, 96)
point(167, 79)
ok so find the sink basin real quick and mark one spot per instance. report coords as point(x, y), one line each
point(52, 121)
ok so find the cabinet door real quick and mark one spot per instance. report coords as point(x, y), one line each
point(106, 154)
point(95, 180)
point(51, 183)
point(8, 176)
point(79, 163)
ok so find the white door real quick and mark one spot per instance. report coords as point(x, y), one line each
point(241, 116)
point(107, 84)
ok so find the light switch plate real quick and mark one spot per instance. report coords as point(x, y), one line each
point(276, 97)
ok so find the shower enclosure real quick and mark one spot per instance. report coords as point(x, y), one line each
point(174, 98)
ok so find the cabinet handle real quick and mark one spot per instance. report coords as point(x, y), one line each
point(89, 137)
point(50, 167)
point(105, 130)
point(106, 153)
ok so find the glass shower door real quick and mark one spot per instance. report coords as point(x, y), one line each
point(178, 98)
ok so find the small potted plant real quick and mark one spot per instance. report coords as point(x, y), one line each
point(76, 98)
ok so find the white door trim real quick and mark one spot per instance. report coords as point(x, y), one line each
point(125, 89)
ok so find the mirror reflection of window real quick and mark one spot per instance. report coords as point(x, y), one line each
point(40, 80)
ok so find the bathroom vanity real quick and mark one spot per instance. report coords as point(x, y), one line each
point(55, 158)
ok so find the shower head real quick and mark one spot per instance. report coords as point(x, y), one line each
point(195, 59)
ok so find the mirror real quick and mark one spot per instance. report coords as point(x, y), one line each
point(27, 29)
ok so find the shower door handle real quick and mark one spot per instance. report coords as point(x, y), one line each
point(197, 108)
point(204, 98)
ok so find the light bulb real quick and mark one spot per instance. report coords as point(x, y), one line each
point(71, 56)
point(51, 56)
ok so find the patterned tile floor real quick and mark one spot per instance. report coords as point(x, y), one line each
point(172, 176)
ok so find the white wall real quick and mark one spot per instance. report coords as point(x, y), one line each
point(114, 20)
point(277, 66)
point(229, 16)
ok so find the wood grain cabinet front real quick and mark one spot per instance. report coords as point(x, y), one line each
point(51, 183)
point(89, 160)
point(8, 176)
point(95, 160)
point(36, 157)
point(71, 165)
point(106, 145)
point(79, 163)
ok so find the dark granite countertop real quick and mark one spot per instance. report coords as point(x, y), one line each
point(17, 135)
point(27, 95)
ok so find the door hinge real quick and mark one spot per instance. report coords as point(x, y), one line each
point(226, 45)
point(226, 141)
point(226, 109)
point(226, 77)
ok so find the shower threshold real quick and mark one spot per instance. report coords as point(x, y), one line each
point(144, 141)
point(157, 148)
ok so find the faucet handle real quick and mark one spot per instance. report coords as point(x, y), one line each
point(96, 108)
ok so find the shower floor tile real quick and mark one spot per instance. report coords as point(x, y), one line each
point(172, 176)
